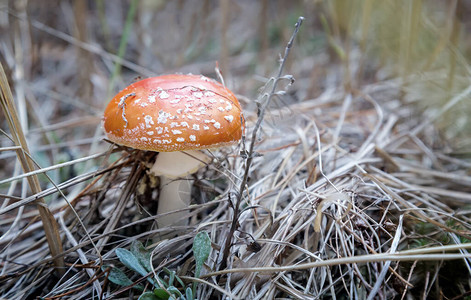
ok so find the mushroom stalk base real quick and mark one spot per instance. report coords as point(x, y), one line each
point(175, 194)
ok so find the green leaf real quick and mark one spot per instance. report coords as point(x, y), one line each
point(148, 296)
point(142, 254)
point(130, 261)
point(189, 293)
point(173, 290)
point(117, 276)
point(179, 281)
point(172, 276)
point(162, 282)
point(201, 250)
point(161, 294)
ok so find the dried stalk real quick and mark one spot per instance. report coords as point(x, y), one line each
point(380, 257)
point(250, 153)
point(50, 226)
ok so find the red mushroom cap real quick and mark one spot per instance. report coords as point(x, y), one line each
point(174, 113)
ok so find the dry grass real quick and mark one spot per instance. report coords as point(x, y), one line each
point(360, 186)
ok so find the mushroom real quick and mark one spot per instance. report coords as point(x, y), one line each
point(175, 115)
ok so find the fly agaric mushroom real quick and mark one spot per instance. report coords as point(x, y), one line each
point(170, 114)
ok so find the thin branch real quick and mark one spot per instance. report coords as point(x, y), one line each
point(250, 152)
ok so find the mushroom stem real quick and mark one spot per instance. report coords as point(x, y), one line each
point(175, 194)
point(174, 169)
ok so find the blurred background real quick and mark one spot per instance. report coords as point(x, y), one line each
point(66, 59)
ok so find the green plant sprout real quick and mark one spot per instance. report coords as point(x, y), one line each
point(138, 259)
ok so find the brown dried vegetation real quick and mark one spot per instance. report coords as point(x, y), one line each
point(360, 183)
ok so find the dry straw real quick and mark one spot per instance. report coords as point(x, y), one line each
point(351, 192)
point(17, 136)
